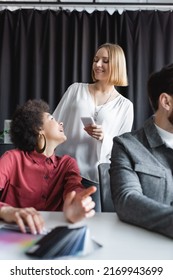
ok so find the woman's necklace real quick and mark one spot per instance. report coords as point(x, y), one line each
point(96, 112)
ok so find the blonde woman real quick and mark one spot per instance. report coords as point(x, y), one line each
point(112, 113)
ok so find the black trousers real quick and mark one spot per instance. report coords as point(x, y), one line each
point(95, 196)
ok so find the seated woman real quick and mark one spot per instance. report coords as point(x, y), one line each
point(33, 178)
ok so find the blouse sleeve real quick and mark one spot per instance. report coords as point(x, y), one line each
point(125, 126)
point(5, 167)
point(64, 104)
point(73, 179)
point(127, 122)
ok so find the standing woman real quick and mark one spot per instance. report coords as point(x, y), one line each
point(112, 113)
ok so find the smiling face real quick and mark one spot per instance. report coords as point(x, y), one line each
point(53, 130)
point(101, 65)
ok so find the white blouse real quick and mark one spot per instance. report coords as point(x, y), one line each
point(116, 117)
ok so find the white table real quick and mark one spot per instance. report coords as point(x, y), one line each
point(120, 241)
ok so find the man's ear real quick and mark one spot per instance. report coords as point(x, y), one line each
point(165, 101)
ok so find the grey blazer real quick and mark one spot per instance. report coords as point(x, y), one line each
point(141, 179)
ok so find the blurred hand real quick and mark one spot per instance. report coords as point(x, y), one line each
point(23, 217)
point(95, 131)
point(79, 205)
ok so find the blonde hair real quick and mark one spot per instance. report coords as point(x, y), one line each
point(117, 65)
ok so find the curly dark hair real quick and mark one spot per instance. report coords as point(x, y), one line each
point(26, 123)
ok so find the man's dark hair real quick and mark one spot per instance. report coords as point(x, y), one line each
point(159, 82)
point(26, 123)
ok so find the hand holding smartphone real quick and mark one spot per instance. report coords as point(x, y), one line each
point(87, 121)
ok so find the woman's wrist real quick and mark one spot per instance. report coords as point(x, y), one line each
point(4, 209)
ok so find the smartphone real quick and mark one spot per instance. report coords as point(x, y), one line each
point(15, 228)
point(87, 121)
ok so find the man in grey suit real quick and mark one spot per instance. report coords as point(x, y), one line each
point(141, 172)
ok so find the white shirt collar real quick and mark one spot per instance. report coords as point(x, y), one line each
point(166, 136)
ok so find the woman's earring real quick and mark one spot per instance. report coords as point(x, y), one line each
point(37, 148)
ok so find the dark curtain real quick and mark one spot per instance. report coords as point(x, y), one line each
point(43, 52)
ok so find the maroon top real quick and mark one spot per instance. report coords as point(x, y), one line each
point(34, 180)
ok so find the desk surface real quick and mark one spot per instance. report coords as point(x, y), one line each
point(120, 241)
